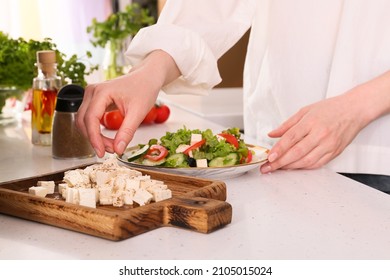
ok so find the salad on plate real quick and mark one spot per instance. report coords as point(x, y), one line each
point(195, 148)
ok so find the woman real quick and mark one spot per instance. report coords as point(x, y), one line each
point(316, 78)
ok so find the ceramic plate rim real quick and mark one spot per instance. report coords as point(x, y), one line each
point(190, 170)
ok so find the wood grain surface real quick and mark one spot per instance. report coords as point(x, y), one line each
point(196, 204)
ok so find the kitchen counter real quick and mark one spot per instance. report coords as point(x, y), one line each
point(315, 214)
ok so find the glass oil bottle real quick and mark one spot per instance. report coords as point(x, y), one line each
point(45, 89)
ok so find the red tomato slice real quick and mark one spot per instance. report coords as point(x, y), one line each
point(156, 153)
point(231, 139)
point(194, 146)
point(249, 157)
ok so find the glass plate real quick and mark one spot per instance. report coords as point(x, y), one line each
point(259, 157)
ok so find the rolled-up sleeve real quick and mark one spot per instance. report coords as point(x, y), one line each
point(196, 33)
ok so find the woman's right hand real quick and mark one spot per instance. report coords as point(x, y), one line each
point(133, 94)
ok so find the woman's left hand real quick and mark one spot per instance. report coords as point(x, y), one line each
point(317, 133)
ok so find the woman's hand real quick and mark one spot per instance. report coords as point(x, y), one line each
point(133, 94)
point(320, 132)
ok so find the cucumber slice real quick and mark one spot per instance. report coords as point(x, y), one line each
point(230, 160)
point(177, 160)
point(136, 154)
point(149, 162)
point(216, 162)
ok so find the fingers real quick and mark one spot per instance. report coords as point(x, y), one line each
point(293, 148)
point(284, 127)
point(293, 144)
point(126, 132)
point(312, 159)
point(307, 140)
point(88, 120)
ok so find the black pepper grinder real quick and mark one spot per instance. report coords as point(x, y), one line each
point(67, 141)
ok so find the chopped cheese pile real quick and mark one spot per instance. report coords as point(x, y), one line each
point(110, 184)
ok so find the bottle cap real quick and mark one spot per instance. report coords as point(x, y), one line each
point(69, 98)
point(47, 56)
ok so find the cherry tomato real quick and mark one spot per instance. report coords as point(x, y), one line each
point(151, 116)
point(156, 153)
point(194, 146)
point(163, 113)
point(112, 120)
point(231, 139)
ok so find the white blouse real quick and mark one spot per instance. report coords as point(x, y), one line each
point(299, 52)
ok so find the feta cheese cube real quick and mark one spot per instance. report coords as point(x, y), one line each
point(162, 195)
point(117, 201)
point(72, 195)
point(195, 138)
point(105, 194)
point(142, 197)
point(76, 178)
point(201, 162)
point(87, 197)
point(62, 189)
point(132, 184)
point(128, 196)
point(102, 177)
point(49, 185)
point(105, 201)
point(38, 191)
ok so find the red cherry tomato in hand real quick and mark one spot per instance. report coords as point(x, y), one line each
point(151, 116)
point(112, 120)
point(163, 113)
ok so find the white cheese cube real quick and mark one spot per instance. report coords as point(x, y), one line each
point(49, 185)
point(117, 201)
point(127, 172)
point(76, 178)
point(201, 162)
point(38, 191)
point(105, 201)
point(162, 194)
point(128, 196)
point(103, 177)
point(195, 138)
point(72, 195)
point(119, 183)
point(105, 194)
point(142, 197)
point(132, 184)
point(62, 186)
point(62, 189)
point(87, 197)
point(145, 184)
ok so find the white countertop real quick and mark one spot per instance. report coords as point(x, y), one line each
point(284, 215)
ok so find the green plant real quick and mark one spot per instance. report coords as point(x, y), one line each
point(115, 30)
point(120, 25)
point(17, 70)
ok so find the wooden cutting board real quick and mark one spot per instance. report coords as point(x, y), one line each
point(196, 204)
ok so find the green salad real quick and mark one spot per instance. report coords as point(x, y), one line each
point(193, 148)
